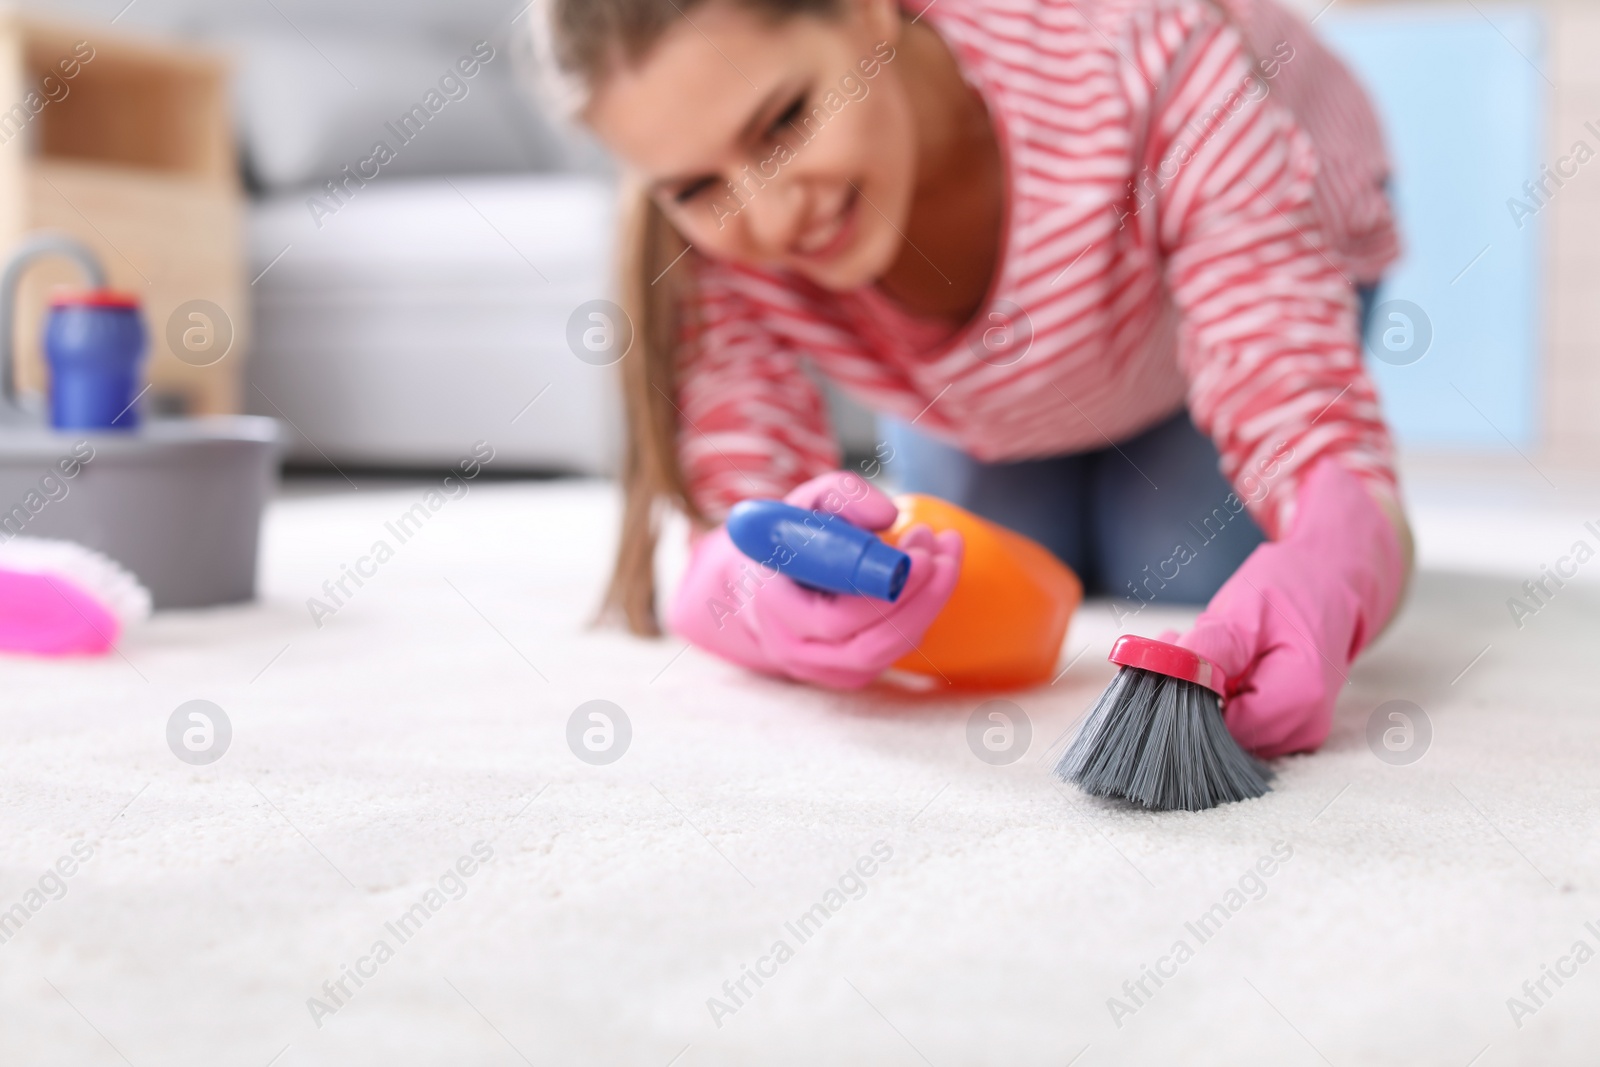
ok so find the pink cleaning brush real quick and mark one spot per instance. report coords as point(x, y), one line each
point(58, 598)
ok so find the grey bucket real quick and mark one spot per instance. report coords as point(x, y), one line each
point(178, 503)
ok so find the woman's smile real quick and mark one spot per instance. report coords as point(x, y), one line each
point(832, 236)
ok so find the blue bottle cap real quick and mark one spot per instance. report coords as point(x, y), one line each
point(817, 550)
point(882, 571)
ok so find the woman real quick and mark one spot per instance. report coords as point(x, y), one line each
point(1095, 260)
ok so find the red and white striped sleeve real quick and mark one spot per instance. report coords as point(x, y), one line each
point(753, 423)
point(1268, 339)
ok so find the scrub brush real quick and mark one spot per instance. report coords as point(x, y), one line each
point(58, 598)
point(1156, 736)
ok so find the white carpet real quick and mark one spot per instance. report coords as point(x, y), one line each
point(430, 713)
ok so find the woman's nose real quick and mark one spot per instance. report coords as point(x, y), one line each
point(774, 212)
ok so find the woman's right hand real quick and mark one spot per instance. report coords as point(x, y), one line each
point(730, 606)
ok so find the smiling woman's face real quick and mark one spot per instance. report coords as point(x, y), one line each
point(777, 144)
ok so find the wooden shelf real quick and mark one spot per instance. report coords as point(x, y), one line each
point(132, 152)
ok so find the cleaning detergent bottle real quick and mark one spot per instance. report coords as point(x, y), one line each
point(1002, 627)
point(94, 344)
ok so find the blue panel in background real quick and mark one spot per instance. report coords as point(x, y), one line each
point(1463, 107)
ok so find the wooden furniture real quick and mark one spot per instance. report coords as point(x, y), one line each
point(128, 146)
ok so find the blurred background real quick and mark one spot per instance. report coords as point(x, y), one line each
point(389, 320)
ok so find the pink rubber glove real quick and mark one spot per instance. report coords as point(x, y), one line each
point(729, 606)
point(1288, 624)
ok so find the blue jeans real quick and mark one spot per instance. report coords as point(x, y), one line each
point(1116, 515)
point(1150, 517)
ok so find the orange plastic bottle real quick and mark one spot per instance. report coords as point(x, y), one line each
point(1003, 626)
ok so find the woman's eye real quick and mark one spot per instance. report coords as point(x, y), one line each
point(688, 192)
point(790, 114)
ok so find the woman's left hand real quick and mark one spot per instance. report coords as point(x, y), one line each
point(1289, 623)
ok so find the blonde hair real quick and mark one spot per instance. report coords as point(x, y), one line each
point(577, 44)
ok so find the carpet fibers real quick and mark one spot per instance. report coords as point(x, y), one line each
point(401, 857)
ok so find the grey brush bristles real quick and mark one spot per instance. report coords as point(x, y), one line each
point(1161, 742)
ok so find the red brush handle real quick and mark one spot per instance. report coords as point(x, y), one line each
point(1150, 655)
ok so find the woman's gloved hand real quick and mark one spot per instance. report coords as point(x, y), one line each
point(1289, 623)
point(730, 605)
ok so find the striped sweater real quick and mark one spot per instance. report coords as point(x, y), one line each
point(1194, 191)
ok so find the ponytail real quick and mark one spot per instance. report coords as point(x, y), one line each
point(655, 298)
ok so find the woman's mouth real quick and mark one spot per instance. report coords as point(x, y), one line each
point(826, 241)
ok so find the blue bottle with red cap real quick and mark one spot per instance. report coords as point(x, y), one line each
point(95, 343)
